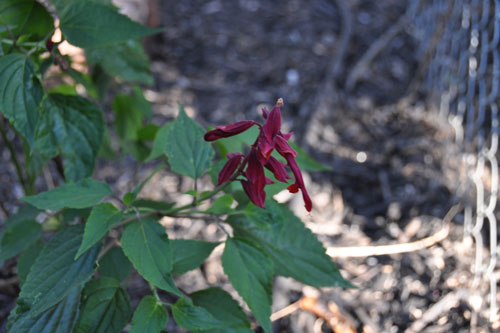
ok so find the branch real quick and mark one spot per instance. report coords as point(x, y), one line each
point(380, 250)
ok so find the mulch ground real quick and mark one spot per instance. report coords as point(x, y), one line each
point(396, 172)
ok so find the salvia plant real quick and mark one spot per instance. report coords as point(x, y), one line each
point(76, 244)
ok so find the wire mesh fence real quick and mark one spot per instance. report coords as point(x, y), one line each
point(459, 42)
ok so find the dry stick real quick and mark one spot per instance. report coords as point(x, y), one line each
point(380, 250)
point(442, 306)
point(327, 87)
point(286, 311)
point(376, 47)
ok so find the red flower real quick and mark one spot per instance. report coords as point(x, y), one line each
point(229, 130)
point(270, 138)
point(277, 168)
point(230, 167)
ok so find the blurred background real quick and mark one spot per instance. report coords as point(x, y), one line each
point(398, 98)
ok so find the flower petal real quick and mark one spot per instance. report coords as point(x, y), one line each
point(265, 148)
point(299, 182)
point(283, 147)
point(258, 198)
point(225, 131)
point(273, 124)
point(277, 168)
point(230, 167)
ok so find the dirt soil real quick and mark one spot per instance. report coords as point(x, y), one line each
point(396, 175)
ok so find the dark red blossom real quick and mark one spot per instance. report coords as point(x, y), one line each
point(230, 167)
point(229, 130)
point(277, 168)
point(270, 137)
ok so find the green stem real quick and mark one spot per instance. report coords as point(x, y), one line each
point(39, 43)
point(155, 293)
point(10, 147)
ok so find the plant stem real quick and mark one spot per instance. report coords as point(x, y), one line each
point(107, 248)
point(13, 156)
point(155, 294)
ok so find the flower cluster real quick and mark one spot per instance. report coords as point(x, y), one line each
point(259, 157)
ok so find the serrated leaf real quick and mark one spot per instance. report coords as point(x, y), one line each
point(115, 264)
point(18, 237)
point(84, 193)
point(24, 17)
point(146, 245)
point(43, 287)
point(221, 205)
point(149, 316)
point(101, 219)
point(251, 274)
point(295, 251)
point(189, 254)
point(188, 153)
point(21, 94)
point(160, 142)
point(73, 126)
point(89, 24)
point(105, 307)
point(60, 318)
point(192, 317)
point(126, 60)
point(27, 259)
point(227, 309)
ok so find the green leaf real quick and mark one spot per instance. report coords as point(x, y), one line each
point(193, 317)
point(126, 60)
point(27, 259)
point(101, 219)
point(149, 316)
point(73, 126)
point(21, 94)
point(146, 245)
point(89, 24)
point(130, 197)
point(26, 212)
point(160, 142)
point(59, 318)
point(189, 254)
point(129, 117)
point(188, 153)
point(71, 214)
point(18, 237)
point(222, 205)
point(115, 264)
point(153, 204)
point(251, 274)
point(24, 17)
point(306, 162)
point(294, 249)
point(55, 273)
point(82, 194)
point(105, 307)
point(227, 309)
point(147, 132)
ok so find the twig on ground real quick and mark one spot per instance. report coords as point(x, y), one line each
point(443, 305)
point(363, 64)
point(286, 311)
point(380, 250)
